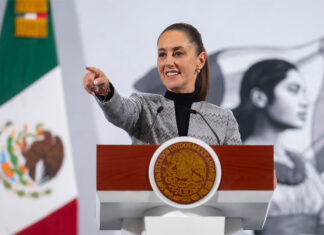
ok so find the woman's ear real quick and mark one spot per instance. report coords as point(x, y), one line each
point(258, 98)
point(202, 57)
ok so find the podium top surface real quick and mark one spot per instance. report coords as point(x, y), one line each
point(125, 167)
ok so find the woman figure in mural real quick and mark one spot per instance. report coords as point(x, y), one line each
point(272, 100)
point(153, 119)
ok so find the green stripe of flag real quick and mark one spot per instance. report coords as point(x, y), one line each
point(23, 60)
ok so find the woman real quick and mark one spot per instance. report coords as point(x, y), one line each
point(153, 119)
point(273, 100)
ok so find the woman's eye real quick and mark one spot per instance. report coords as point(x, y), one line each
point(178, 53)
point(294, 88)
point(161, 55)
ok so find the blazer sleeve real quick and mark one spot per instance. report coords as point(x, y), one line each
point(233, 136)
point(122, 112)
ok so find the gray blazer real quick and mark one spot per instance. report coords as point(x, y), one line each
point(136, 116)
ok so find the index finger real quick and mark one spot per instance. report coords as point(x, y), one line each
point(93, 70)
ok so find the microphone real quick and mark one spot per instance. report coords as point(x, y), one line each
point(196, 112)
point(158, 111)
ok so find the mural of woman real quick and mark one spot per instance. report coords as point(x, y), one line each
point(273, 99)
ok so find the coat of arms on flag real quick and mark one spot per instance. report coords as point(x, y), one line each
point(29, 157)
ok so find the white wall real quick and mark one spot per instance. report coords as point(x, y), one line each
point(120, 36)
point(79, 108)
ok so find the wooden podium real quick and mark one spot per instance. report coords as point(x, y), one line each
point(124, 191)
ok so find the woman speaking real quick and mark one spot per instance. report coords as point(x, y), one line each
point(183, 111)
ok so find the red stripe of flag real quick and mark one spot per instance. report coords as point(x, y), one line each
point(63, 221)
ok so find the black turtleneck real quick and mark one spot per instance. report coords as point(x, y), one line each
point(181, 102)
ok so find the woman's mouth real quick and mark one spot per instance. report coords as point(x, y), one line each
point(172, 74)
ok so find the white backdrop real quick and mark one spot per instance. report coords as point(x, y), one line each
point(120, 36)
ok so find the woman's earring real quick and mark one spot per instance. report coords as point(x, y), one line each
point(198, 70)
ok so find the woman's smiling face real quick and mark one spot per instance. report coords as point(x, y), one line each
point(178, 62)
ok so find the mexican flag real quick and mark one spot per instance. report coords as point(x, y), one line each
point(38, 192)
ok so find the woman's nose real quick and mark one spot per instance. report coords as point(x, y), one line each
point(304, 101)
point(169, 61)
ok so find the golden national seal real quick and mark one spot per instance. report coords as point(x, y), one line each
point(184, 172)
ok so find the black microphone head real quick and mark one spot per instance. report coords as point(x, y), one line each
point(191, 111)
point(159, 110)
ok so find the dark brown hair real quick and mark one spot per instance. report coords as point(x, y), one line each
point(202, 80)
